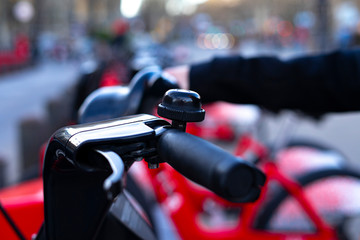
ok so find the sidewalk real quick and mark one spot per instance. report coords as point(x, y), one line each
point(25, 93)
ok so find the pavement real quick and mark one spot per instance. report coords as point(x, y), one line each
point(24, 94)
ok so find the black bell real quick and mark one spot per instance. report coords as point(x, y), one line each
point(181, 105)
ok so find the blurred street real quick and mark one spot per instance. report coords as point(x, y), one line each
point(25, 94)
point(53, 54)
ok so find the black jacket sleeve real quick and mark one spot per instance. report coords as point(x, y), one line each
point(313, 84)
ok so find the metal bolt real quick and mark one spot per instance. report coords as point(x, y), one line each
point(153, 165)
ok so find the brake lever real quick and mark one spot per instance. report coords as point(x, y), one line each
point(123, 209)
point(112, 184)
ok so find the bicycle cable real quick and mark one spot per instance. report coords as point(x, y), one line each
point(12, 223)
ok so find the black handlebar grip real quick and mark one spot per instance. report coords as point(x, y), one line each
point(211, 166)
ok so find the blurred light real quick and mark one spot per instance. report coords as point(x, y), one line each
point(173, 7)
point(224, 41)
point(177, 7)
point(347, 15)
point(189, 9)
point(23, 11)
point(208, 41)
point(285, 29)
point(304, 19)
point(195, 1)
point(215, 41)
point(269, 26)
point(231, 40)
point(130, 8)
point(232, 3)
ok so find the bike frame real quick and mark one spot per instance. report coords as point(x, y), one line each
point(25, 205)
point(182, 200)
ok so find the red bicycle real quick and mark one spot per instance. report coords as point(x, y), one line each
point(192, 211)
point(312, 206)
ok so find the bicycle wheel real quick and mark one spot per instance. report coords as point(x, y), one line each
point(301, 156)
point(314, 144)
point(334, 194)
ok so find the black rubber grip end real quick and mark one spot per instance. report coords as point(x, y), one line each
point(211, 166)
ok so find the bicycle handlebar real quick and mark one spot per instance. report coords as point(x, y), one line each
point(201, 162)
point(75, 174)
point(71, 163)
point(211, 166)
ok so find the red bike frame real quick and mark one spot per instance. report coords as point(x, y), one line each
point(184, 201)
point(25, 205)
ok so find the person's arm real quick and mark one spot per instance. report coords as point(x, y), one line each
point(314, 84)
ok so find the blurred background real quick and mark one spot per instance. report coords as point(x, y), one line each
point(48, 46)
